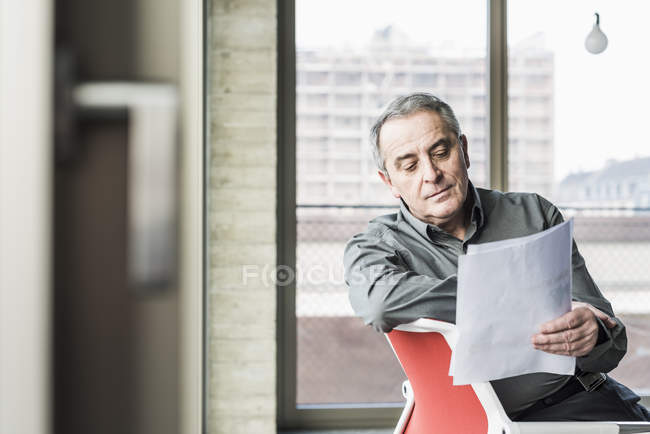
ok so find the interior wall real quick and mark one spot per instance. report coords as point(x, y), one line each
point(241, 217)
point(25, 204)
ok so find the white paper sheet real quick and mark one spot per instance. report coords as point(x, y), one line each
point(506, 290)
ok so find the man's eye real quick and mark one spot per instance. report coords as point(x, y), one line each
point(410, 167)
point(441, 154)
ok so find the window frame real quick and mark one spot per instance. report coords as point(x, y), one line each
point(331, 416)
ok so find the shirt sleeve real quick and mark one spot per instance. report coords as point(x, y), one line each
point(385, 293)
point(612, 343)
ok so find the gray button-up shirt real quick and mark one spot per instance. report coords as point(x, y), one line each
point(402, 269)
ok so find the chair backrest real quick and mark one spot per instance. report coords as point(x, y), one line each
point(440, 407)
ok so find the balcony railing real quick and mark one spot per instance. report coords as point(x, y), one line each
point(615, 243)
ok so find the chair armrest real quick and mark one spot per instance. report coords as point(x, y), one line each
point(426, 325)
point(564, 428)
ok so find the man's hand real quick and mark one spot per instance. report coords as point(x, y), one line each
point(606, 319)
point(573, 334)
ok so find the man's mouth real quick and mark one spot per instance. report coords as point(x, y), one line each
point(438, 192)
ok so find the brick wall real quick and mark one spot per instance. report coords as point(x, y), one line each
point(241, 85)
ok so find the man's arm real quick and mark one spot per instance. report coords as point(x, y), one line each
point(385, 293)
point(596, 337)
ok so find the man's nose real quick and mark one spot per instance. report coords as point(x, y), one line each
point(432, 173)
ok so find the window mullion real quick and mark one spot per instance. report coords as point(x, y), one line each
point(498, 93)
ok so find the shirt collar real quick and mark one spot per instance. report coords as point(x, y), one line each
point(478, 215)
point(426, 229)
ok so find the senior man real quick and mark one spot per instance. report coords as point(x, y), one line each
point(403, 267)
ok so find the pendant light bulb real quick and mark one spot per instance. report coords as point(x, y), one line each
point(596, 41)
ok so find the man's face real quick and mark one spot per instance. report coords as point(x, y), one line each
point(427, 166)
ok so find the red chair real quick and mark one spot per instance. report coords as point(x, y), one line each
point(435, 405)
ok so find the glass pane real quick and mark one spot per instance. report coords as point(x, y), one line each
point(349, 65)
point(574, 139)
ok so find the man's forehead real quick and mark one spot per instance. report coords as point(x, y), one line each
point(410, 131)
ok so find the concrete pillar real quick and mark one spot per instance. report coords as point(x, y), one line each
point(241, 216)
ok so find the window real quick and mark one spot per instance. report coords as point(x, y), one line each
point(314, 122)
point(377, 78)
point(309, 166)
point(347, 122)
point(315, 189)
point(425, 80)
point(312, 145)
point(346, 167)
point(347, 146)
point(347, 78)
point(315, 99)
point(399, 80)
point(347, 101)
point(365, 62)
point(576, 150)
point(314, 78)
point(456, 80)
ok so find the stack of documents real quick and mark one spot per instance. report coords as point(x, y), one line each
point(506, 291)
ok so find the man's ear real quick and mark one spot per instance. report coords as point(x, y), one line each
point(386, 179)
point(463, 142)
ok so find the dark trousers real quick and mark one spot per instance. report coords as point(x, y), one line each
point(610, 402)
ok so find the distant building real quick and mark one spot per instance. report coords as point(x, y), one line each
point(341, 91)
point(620, 184)
point(531, 117)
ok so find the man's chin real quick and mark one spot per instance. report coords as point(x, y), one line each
point(445, 212)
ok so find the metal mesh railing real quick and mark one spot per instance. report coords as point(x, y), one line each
point(615, 243)
point(340, 360)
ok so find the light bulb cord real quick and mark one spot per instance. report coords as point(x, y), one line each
point(597, 18)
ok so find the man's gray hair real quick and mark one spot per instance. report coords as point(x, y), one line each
point(407, 105)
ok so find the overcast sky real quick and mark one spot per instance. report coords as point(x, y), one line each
point(600, 110)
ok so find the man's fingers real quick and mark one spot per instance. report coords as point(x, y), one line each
point(573, 334)
point(575, 348)
point(569, 320)
point(570, 335)
point(561, 339)
point(606, 319)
